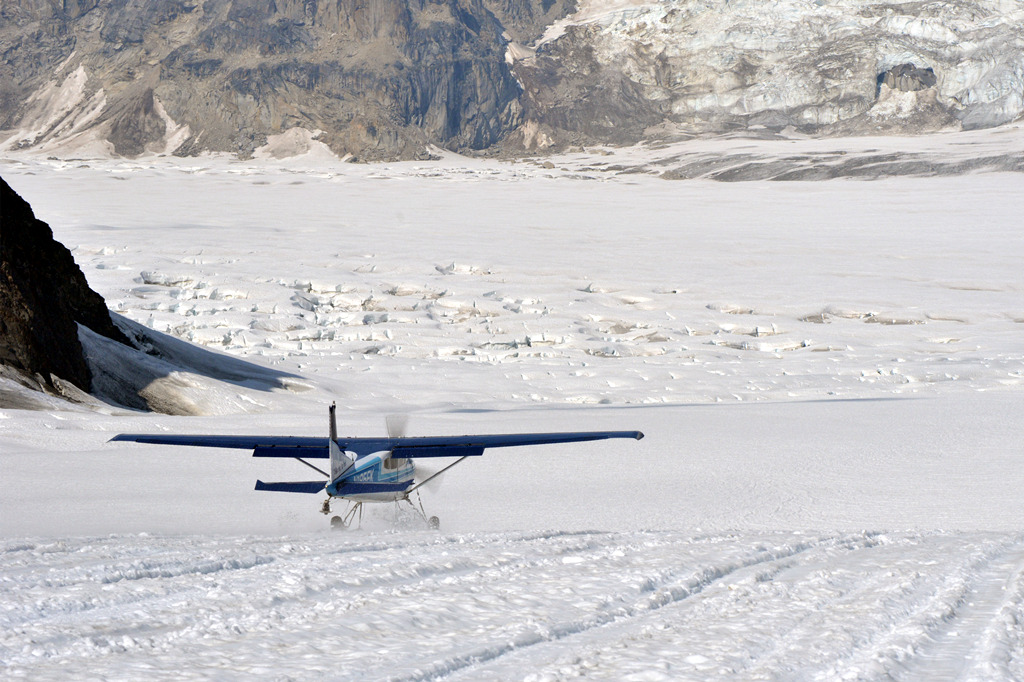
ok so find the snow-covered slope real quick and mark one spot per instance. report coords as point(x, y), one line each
point(828, 375)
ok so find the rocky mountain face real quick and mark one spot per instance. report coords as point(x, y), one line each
point(43, 299)
point(371, 78)
point(712, 67)
point(382, 79)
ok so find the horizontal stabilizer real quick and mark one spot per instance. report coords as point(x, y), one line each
point(404, 452)
point(295, 487)
point(290, 451)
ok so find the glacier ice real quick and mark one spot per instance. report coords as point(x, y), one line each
point(715, 64)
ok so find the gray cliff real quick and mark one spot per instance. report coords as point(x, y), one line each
point(373, 78)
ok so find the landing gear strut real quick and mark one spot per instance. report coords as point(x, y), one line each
point(354, 513)
point(433, 523)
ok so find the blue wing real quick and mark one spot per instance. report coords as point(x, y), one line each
point(408, 448)
point(240, 442)
point(459, 446)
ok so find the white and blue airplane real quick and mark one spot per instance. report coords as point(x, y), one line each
point(368, 469)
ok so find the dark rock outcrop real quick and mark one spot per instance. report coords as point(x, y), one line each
point(908, 78)
point(57, 337)
point(43, 298)
point(576, 99)
point(525, 21)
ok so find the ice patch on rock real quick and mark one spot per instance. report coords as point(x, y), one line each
point(296, 144)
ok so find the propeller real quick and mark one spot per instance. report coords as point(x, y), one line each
point(424, 472)
point(398, 426)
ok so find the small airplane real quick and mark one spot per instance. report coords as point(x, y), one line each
point(368, 469)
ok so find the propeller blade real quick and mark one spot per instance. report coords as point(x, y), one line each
point(397, 425)
point(432, 478)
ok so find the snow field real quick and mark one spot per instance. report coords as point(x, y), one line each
point(918, 464)
point(531, 297)
point(828, 376)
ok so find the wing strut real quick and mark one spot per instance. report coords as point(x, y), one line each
point(313, 467)
point(431, 478)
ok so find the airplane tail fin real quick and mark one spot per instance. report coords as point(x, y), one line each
point(340, 462)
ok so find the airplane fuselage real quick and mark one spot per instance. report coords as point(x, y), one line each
point(374, 477)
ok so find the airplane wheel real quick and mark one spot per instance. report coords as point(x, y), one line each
point(337, 523)
point(434, 523)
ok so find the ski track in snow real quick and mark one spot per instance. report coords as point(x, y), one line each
point(532, 606)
